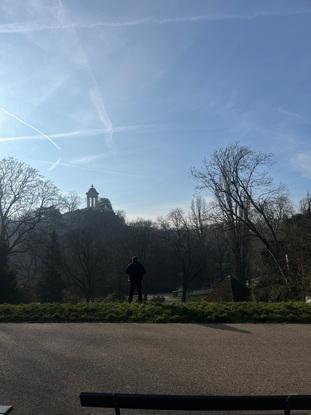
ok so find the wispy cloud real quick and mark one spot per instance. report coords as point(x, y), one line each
point(74, 164)
point(23, 27)
point(79, 133)
point(99, 105)
point(88, 159)
point(302, 163)
point(32, 127)
point(293, 115)
point(95, 93)
point(97, 100)
point(54, 165)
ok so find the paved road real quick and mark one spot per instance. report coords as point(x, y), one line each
point(43, 367)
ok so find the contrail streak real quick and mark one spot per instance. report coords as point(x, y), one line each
point(88, 159)
point(54, 165)
point(81, 167)
point(41, 26)
point(291, 114)
point(95, 92)
point(31, 127)
point(79, 133)
point(99, 105)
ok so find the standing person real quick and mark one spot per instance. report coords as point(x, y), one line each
point(135, 270)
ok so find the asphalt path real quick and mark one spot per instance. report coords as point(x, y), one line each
point(44, 367)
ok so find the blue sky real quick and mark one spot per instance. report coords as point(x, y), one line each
point(129, 95)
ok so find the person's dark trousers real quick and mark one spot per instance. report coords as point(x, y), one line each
point(139, 288)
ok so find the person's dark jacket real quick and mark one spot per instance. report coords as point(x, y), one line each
point(136, 271)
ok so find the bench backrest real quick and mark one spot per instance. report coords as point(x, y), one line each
point(119, 401)
point(5, 409)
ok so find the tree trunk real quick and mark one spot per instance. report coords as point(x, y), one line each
point(87, 298)
point(184, 293)
point(4, 252)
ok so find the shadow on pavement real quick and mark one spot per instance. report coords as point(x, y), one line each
point(221, 326)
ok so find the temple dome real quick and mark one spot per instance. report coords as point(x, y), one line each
point(92, 192)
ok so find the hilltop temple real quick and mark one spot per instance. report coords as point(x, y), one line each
point(92, 200)
point(91, 197)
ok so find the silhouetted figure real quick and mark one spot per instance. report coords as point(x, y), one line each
point(135, 270)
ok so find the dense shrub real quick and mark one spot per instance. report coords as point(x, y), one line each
point(157, 299)
point(192, 312)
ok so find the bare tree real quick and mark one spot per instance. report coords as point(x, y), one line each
point(199, 217)
point(70, 202)
point(305, 205)
point(25, 197)
point(184, 243)
point(219, 250)
point(140, 238)
point(84, 261)
point(247, 201)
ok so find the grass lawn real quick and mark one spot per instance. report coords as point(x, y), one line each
point(191, 312)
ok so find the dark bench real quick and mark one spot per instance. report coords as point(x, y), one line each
point(5, 409)
point(196, 402)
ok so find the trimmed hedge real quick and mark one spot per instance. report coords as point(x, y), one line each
point(192, 312)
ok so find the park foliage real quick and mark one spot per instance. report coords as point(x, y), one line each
point(192, 312)
point(241, 227)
